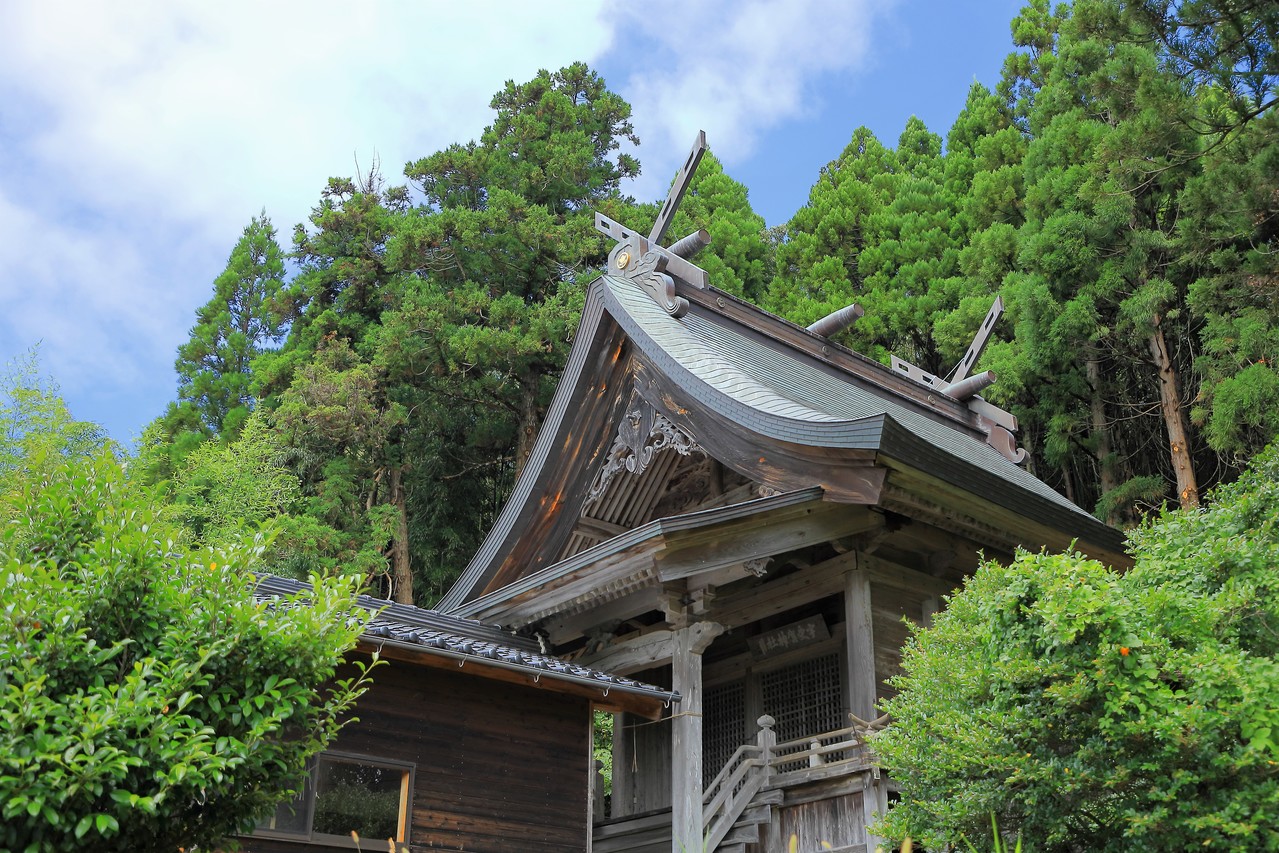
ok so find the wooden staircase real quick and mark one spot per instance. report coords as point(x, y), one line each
point(743, 799)
point(749, 828)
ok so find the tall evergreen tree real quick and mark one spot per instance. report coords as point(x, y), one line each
point(910, 257)
point(216, 381)
point(817, 268)
point(1100, 305)
point(240, 321)
point(1229, 234)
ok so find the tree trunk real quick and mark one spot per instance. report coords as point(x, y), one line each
point(1174, 419)
point(1101, 432)
point(529, 423)
point(401, 571)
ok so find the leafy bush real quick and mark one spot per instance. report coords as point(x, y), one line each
point(1096, 711)
point(146, 701)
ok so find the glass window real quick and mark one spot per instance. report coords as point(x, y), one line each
point(345, 794)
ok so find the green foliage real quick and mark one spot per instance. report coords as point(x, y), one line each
point(146, 701)
point(224, 489)
point(214, 366)
point(241, 319)
point(337, 430)
point(602, 747)
point(738, 259)
point(1099, 711)
point(817, 264)
point(35, 426)
point(1228, 45)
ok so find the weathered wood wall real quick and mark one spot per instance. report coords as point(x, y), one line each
point(837, 822)
point(500, 768)
point(641, 765)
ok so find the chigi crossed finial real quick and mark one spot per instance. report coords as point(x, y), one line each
point(645, 261)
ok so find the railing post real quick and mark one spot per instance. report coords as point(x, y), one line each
point(815, 757)
point(766, 739)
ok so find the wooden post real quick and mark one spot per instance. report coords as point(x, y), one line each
point(929, 609)
point(688, 643)
point(860, 640)
point(597, 792)
point(863, 683)
point(766, 739)
point(874, 804)
point(623, 781)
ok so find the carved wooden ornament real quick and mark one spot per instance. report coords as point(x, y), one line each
point(642, 434)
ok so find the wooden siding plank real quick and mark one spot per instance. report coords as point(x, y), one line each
point(500, 767)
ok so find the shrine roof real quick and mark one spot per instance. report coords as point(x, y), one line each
point(802, 400)
point(464, 640)
point(786, 393)
point(662, 359)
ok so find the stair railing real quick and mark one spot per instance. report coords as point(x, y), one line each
point(731, 791)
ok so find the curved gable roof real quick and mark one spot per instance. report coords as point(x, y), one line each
point(781, 405)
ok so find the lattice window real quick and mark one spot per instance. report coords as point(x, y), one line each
point(723, 726)
point(805, 698)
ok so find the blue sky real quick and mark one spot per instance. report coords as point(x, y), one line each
point(137, 140)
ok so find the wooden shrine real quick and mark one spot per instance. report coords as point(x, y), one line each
point(738, 509)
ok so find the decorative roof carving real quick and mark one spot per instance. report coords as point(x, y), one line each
point(997, 425)
point(643, 433)
point(644, 261)
point(647, 271)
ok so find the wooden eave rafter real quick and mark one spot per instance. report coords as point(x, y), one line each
point(994, 522)
point(529, 529)
point(643, 650)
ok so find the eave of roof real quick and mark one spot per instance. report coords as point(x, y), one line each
point(738, 367)
point(807, 405)
point(417, 633)
point(644, 541)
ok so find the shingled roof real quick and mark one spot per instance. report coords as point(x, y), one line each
point(466, 642)
point(787, 408)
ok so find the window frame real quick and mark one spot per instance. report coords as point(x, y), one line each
point(404, 820)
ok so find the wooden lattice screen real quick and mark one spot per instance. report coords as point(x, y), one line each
point(723, 726)
point(805, 698)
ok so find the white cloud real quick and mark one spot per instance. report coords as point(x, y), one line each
point(139, 138)
point(736, 69)
point(215, 110)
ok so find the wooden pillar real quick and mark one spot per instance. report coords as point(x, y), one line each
point(929, 609)
point(597, 791)
point(860, 641)
point(766, 739)
point(863, 684)
point(874, 805)
point(688, 643)
point(623, 780)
